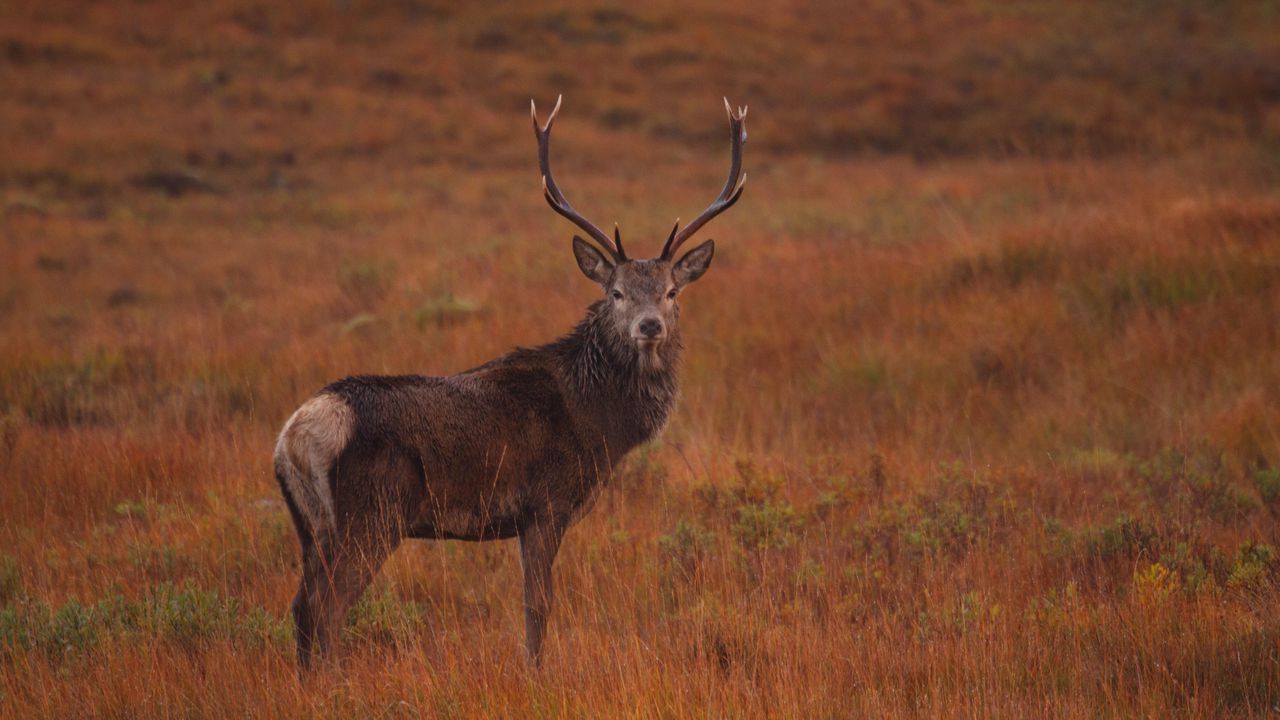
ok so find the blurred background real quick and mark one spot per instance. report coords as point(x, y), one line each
point(983, 378)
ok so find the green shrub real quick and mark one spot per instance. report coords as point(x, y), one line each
point(15, 633)
point(73, 628)
point(383, 618)
point(1197, 481)
point(973, 610)
point(1155, 584)
point(1253, 568)
point(1125, 537)
point(1267, 481)
point(761, 518)
point(959, 513)
point(685, 546)
point(10, 578)
point(1194, 570)
point(186, 614)
point(768, 526)
point(190, 615)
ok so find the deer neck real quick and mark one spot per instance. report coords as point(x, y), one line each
point(621, 396)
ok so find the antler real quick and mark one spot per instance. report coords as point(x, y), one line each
point(732, 187)
point(556, 199)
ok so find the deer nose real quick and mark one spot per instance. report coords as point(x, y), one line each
point(651, 327)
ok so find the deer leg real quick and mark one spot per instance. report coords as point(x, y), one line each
point(315, 603)
point(325, 593)
point(306, 601)
point(538, 546)
point(353, 567)
point(303, 628)
point(351, 555)
point(305, 606)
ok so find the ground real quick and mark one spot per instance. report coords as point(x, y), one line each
point(981, 407)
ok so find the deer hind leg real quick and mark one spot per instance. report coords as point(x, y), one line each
point(307, 600)
point(336, 572)
point(307, 604)
point(311, 605)
point(382, 481)
point(306, 453)
point(538, 546)
point(329, 589)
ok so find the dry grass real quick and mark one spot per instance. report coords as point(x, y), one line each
point(981, 411)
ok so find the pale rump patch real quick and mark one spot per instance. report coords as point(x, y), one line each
point(308, 445)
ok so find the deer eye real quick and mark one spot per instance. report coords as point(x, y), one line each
point(617, 294)
point(671, 294)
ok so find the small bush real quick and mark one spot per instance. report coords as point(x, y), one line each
point(1196, 570)
point(15, 634)
point(384, 619)
point(1155, 584)
point(1197, 481)
point(973, 610)
point(767, 526)
point(1267, 482)
point(960, 514)
point(1053, 608)
point(190, 615)
point(761, 518)
point(73, 628)
point(186, 614)
point(685, 546)
point(1125, 537)
point(10, 578)
point(1254, 567)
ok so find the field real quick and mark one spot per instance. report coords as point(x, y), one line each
point(981, 397)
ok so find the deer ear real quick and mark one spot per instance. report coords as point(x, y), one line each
point(592, 263)
point(694, 263)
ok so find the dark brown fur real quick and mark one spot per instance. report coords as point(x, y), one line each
point(517, 447)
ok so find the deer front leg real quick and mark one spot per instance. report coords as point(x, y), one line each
point(538, 545)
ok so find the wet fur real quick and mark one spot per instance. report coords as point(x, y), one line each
point(518, 446)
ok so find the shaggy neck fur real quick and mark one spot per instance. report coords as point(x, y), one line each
point(626, 394)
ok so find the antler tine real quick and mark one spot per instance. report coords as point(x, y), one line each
point(617, 240)
point(551, 191)
point(733, 187)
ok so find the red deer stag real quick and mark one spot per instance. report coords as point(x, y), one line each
point(517, 447)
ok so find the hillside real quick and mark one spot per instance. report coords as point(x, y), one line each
point(981, 406)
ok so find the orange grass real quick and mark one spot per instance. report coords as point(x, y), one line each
point(981, 410)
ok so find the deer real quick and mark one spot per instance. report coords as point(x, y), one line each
point(518, 447)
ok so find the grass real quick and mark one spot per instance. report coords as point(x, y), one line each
point(979, 414)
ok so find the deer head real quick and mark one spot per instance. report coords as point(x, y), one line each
point(640, 295)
